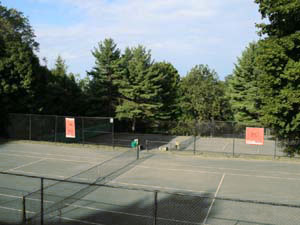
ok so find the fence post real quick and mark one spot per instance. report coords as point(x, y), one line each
point(194, 144)
point(275, 148)
point(82, 121)
point(138, 152)
point(155, 209)
point(24, 210)
point(147, 145)
point(29, 126)
point(59, 215)
point(233, 139)
point(233, 145)
point(55, 130)
point(113, 133)
point(42, 201)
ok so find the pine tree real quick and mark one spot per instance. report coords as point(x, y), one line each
point(103, 92)
point(167, 80)
point(138, 86)
point(243, 87)
point(63, 96)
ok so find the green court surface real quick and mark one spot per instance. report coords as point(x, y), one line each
point(157, 189)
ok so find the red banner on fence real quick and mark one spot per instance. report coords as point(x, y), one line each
point(70, 127)
point(254, 136)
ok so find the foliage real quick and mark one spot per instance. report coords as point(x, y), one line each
point(203, 95)
point(283, 15)
point(279, 65)
point(102, 91)
point(15, 27)
point(18, 63)
point(64, 96)
point(138, 86)
point(167, 79)
point(280, 83)
point(243, 87)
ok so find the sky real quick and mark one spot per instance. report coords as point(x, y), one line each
point(183, 32)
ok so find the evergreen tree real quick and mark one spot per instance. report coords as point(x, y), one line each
point(167, 80)
point(63, 96)
point(243, 87)
point(60, 68)
point(103, 92)
point(138, 86)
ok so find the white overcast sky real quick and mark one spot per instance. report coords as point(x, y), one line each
point(182, 32)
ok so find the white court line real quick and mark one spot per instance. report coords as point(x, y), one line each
point(24, 165)
point(80, 221)
point(41, 153)
point(225, 146)
point(10, 196)
point(19, 210)
point(213, 201)
point(188, 171)
point(47, 158)
point(226, 168)
point(232, 174)
point(32, 199)
point(40, 174)
point(159, 187)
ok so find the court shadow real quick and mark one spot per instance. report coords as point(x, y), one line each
point(168, 209)
point(3, 141)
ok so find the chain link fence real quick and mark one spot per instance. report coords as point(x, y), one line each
point(106, 204)
point(88, 130)
point(191, 137)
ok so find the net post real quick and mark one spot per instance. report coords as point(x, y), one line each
point(155, 209)
point(42, 201)
point(138, 152)
point(147, 145)
point(24, 210)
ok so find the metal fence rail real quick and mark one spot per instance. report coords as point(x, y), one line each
point(126, 205)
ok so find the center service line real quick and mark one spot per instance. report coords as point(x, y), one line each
point(211, 205)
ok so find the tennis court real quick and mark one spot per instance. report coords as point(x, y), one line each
point(237, 146)
point(171, 188)
point(228, 146)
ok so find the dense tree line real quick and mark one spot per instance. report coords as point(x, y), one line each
point(127, 85)
point(264, 88)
